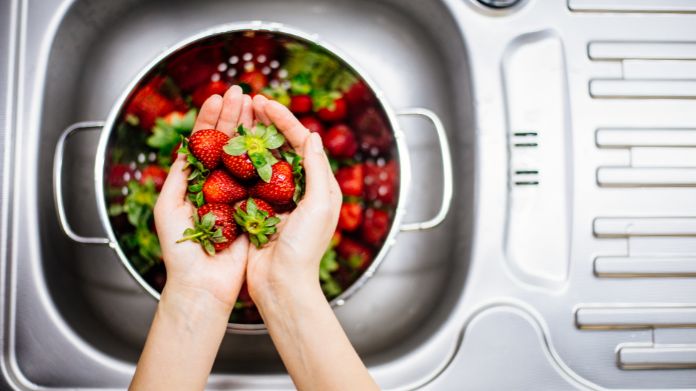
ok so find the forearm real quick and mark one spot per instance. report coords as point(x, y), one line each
point(183, 341)
point(312, 343)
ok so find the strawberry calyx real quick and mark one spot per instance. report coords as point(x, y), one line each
point(197, 177)
point(297, 173)
point(256, 222)
point(257, 144)
point(205, 232)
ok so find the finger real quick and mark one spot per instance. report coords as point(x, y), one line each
point(286, 122)
point(260, 102)
point(173, 192)
point(317, 172)
point(209, 114)
point(231, 110)
point(247, 116)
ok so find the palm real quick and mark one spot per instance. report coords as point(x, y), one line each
point(187, 263)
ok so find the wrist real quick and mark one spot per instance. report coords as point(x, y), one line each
point(286, 292)
point(192, 304)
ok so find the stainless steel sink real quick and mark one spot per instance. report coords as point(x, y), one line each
point(80, 320)
point(568, 260)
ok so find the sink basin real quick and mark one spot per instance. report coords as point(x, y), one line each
point(78, 301)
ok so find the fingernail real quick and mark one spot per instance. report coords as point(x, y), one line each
point(316, 143)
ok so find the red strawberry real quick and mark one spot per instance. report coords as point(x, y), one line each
point(155, 173)
point(340, 141)
point(257, 45)
point(350, 180)
point(350, 216)
point(313, 125)
point(207, 90)
point(260, 204)
point(206, 145)
point(216, 233)
point(336, 238)
point(280, 189)
point(224, 220)
point(149, 103)
point(195, 66)
point(375, 226)
point(120, 174)
point(381, 182)
point(335, 112)
point(253, 82)
point(240, 166)
point(359, 97)
point(358, 255)
point(224, 213)
point(372, 129)
point(300, 104)
point(244, 295)
point(258, 219)
point(221, 188)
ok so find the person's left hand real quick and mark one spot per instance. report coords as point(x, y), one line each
point(189, 268)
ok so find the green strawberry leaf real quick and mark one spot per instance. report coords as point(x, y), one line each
point(271, 221)
point(272, 139)
point(265, 172)
point(208, 247)
point(236, 146)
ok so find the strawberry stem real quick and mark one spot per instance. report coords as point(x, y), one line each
point(191, 237)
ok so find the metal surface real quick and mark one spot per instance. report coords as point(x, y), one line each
point(58, 182)
point(467, 305)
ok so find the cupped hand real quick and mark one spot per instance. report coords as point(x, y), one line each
point(291, 259)
point(189, 267)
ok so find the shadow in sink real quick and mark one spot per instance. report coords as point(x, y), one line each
point(411, 49)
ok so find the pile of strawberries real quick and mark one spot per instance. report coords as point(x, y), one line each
point(238, 184)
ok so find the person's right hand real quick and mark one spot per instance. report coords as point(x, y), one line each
point(290, 261)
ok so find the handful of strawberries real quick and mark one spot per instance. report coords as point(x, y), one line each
point(238, 184)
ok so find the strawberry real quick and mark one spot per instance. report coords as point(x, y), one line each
point(120, 174)
point(219, 187)
point(224, 213)
point(213, 227)
point(206, 145)
point(381, 182)
point(334, 112)
point(372, 129)
point(195, 66)
point(256, 144)
point(301, 104)
point(155, 173)
point(340, 141)
point(359, 97)
point(148, 104)
point(375, 226)
point(224, 219)
point(257, 44)
point(350, 180)
point(258, 219)
point(207, 90)
point(350, 216)
point(240, 166)
point(313, 125)
point(280, 189)
point(335, 239)
point(355, 253)
point(252, 82)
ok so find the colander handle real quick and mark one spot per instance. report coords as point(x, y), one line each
point(58, 182)
point(448, 179)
